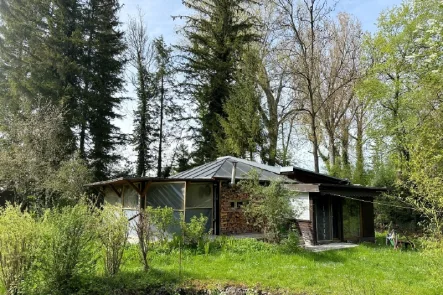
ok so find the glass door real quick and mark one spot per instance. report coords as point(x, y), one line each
point(323, 219)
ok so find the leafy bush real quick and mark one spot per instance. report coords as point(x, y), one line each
point(69, 247)
point(163, 220)
point(194, 232)
point(269, 207)
point(292, 243)
point(113, 232)
point(18, 246)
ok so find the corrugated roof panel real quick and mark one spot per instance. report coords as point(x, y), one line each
point(204, 171)
point(222, 168)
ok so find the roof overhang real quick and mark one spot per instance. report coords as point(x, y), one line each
point(127, 180)
point(339, 189)
point(307, 176)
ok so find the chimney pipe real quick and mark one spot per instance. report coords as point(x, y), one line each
point(234, 169)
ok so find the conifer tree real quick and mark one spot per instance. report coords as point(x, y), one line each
point(103, 65)
point(68, 54)
point(216, 35)
point(243, 125)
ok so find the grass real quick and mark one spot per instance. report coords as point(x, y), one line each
point(366, 269)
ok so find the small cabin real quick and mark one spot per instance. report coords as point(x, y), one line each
point(329, 209)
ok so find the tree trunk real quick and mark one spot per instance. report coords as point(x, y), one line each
point(160, 137)
point(315, 144)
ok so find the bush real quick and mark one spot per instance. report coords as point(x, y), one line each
point(269, 207)
point(113, 232)
point(292, 243)
point(163, 220)
point(18, 246)
point(69, 247)
point(194, 232)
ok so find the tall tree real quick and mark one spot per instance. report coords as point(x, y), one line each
point(307, 43)
point(405, 86)
point(67, 53)
point(103, 64)
point(166, 103)
point(243, 126)
point(141, 58)
point(339, 72)
point(215, 37)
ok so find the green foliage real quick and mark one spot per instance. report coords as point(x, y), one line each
point(69, 248)
point(269, 206)
point(292, 242)
point(242, 125)
point(163, 220)
point(36, 161)
point(113, 232)
point(182, 158)
point(404, 83)
point(243, 246)
point(75, 63)
point(217, 32)
point(68, 182)
point(19, 240)
point(194, 231)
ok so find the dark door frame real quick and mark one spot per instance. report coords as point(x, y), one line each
point(335, 218)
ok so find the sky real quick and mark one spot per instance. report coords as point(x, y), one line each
point(157, 16)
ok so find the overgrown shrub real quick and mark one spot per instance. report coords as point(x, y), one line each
point(18, 246)
point(194, 231)
point(163, 220)
point(269, 207)
point(69, 247)
point(113, 232)
point(292, 242)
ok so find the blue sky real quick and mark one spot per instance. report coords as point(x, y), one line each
point(159, 21)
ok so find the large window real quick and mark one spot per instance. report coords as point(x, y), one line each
point(111, 197)
point(199, 201)
point(166, 194)
point(130, 197)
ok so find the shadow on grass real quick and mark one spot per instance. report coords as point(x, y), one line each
point(154, 281)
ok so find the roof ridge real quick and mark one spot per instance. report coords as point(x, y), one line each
point(224, 161)
point(273, 169)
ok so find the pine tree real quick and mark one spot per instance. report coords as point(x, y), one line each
point(67, 53)
point(182, 158)
point(243, 125)
point(217, 33)
point(103, 80)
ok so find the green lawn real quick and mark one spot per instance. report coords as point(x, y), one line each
point(366, 269)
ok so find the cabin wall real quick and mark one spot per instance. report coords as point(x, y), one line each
point(306, 226)
point(232, 217)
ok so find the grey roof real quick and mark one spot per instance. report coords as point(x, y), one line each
point(222, 168)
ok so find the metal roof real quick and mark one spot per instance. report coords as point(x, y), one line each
point(222, 168)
